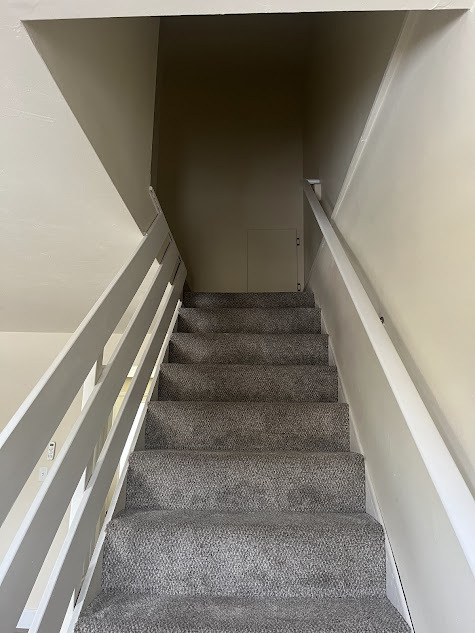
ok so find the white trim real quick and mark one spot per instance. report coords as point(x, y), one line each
point(449, 483)
point(394, 588)
point(59, 9)
point(26, 619)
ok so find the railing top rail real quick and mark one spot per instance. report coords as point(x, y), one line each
point(451, 487)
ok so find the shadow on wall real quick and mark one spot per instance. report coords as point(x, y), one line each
point(229, 138)
point(106, 70)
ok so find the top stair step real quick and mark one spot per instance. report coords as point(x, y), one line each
point(248, 300)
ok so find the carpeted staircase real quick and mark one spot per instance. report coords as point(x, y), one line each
point(246, 511)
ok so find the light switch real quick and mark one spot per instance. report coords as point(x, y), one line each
point(42, 472)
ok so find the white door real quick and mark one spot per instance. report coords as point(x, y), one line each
point(272, 260)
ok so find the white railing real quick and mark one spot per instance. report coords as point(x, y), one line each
point(446, 477)
point(25, 437)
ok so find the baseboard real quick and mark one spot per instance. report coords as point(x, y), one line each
point(394, 589)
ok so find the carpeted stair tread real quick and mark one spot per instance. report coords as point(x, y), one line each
point(248, 300)
point(252, 320)
point(118, 612)
point(319, 555)
point(244, 348)
point(239, 482)
point(244, 426)
point(245, 512)
point(265, 383)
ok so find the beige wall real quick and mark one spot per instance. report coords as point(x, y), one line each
point(64, 229)
point(407, 219)
point(347, 56)
point(106, 71)
point(24, 357)
point(230, 151)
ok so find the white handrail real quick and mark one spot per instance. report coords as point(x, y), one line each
point(451, 487)
point(26, 554)
point(68, 569)
point(89, 585)
point(31, 428)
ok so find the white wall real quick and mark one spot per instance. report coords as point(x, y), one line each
point(65, 230)
point(407, 219)
point(230, 143)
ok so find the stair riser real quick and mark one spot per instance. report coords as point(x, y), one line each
point(247, 560)
point(252, 349)
point(245, 426)
point(228, 482)
point(249, 300)
point(248, 383)
point(252, 320)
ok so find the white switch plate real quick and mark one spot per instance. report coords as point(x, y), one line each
point(42, 472)
point(51, 450)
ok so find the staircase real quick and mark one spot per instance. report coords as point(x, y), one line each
point(246, 510)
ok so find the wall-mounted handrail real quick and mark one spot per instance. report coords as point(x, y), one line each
point(451, 487)
point(25, 437)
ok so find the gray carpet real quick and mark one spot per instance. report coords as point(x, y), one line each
point(118, 612)
point(263, 554)
point(250, 349)
point(245, 513)
point(251, 320)
point(241, 482)
point(257, 383)
point(248, 300)
point(247, 426)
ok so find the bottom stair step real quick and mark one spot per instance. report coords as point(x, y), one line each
point(152, 613)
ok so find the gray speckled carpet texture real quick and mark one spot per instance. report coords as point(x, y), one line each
point(245, 513)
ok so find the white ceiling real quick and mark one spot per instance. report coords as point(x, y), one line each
point(53, 9)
